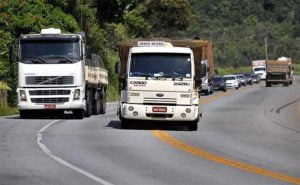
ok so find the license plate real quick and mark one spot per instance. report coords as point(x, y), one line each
point(49, 106)
point(159, 109)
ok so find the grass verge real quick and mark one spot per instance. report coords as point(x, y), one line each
point(231, 70)
point(6, 110)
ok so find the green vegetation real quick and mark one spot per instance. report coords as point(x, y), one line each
point(231, 70)
point(297, 69)
point(6, 110)
point(236, 27)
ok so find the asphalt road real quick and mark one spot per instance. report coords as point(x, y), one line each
point(247, 136)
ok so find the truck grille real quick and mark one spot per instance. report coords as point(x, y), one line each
point(49, 92)
point(158, 101)
point(49, 100)
point(49, 80)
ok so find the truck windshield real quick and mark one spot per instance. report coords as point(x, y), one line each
point(50, 51)
point(169, 65)
point(260, 69)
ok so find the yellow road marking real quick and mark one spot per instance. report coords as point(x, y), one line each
point(168, 139)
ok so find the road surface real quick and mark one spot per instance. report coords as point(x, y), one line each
point(247, 136)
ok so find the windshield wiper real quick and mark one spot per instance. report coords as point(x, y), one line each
point(64, 59)
point(36, 60)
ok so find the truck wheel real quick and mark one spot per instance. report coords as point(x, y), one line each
point(206, 92)
point(96, 104)
point(125, 123)
point(286, 84)
point(103, 103)
point(24, 114)
point(193, 125)
point(212, 90)
point(89, 102)
point(268, 84)
point(291, 82)
point(78, 114)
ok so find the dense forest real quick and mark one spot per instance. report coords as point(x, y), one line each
point(236, 27)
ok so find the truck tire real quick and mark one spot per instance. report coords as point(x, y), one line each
point(212, 90)
point(193, 125)
point(78, 113)
point(268, 84)
point(286, 84)
point(103, 103)
point(24, 114)
point(96, 104)
point(206, 92)
point(89, 103)
point(125, 124)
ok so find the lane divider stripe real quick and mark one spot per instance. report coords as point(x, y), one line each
point(168, 139)
point(44, 148)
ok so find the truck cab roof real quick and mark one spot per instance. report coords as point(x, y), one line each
point(161, 50)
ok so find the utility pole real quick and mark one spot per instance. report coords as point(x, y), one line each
point(81, 19)
point(266, 48)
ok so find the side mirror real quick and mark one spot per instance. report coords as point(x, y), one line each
point(88, 52)
point(12, 54)
point(117, 71)
point(203, 70)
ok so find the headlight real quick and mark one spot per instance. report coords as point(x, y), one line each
point(185, 95)
point(134, 94)
point(23, 95)
point(76, 94)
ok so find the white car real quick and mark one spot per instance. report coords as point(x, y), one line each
point(231, 81)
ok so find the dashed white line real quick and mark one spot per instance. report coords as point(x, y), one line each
point(44, 148)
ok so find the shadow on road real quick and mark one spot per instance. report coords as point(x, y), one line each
point(147, 125)
point(43, 116)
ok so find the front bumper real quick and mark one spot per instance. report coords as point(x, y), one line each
point(231, 85)
point(204, 87)
point(63, 101)
point(173, 113)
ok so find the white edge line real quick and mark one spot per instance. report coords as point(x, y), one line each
point(39, 140)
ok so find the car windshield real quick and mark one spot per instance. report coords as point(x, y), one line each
point(229, 78)
point(160, 65)
point(260, 69)
point(217, 79)
point(45, 51)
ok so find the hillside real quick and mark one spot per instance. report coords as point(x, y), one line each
point(237, 27)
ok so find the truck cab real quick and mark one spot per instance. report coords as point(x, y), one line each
point(159, 85)
point(52, 75)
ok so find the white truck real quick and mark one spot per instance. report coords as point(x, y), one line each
point(57, 74)
point(160, 81)
point(259, 68)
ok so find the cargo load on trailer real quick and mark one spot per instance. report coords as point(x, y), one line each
point(279, 71)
